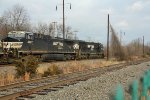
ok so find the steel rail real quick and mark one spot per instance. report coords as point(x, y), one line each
point(94, 72)
point(55, 84)
point(49, 77)
point(25, 82)
point(55, 77)
point(52, 77)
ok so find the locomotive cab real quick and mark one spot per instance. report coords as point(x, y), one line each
point(14, 42)
point(15, 39)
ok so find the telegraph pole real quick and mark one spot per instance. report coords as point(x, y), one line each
point(138, 45)
point(54, 27)
point(63, 19)
point(108, 40)
point(143, 45)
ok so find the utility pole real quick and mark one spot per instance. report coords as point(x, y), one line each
point(54, 25)
point(138, 45)
point(63, 19)
point(120, 35)
point(108, 40)
point(143, 45)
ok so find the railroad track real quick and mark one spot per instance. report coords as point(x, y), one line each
point(48, 84)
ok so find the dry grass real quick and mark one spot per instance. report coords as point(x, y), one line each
point(9, 78)
point(27, 76)
point(74, 66)
point(53, 70)
point(77, 66)
point(6, 78)
point(66, 67)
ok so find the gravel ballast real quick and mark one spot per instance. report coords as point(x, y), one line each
point(99, 88)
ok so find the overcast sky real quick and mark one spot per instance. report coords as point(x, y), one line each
point(89, 17)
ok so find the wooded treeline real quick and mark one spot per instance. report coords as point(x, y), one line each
point(135, 49)
point(18, 19)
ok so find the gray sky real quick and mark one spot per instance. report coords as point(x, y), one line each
point(89, 17)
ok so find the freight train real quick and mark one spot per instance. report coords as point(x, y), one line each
point(18, 44)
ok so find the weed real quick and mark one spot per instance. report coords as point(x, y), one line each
point(28, 65)
point(53, 70)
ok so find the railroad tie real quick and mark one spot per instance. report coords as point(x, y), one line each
point(41, 93)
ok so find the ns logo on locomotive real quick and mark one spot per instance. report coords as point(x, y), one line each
point(18, 44)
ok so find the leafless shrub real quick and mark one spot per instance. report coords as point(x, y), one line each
point(28, 65)
point(53, 70)
point(135, 48)
point(147, 49)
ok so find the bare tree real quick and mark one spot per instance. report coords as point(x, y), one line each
point(68, 30)
point(42, 28)
point(147, 48)
point(69, 33)
point(60, 30)
point(2, 27)
point(17, 18)
point(135, 47)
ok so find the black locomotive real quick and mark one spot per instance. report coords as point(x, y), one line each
point(20, 43)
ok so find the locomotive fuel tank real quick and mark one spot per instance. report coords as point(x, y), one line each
point(58, 57)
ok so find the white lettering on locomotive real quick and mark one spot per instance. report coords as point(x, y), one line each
point(91, 47)
point(12, 44)
point(58, 44)
point(30, 42)
point(76, 46)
